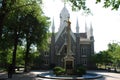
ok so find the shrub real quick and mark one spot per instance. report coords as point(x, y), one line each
point(59, 71)
point(80, 70)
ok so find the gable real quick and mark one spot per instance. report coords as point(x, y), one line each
point(63, 31)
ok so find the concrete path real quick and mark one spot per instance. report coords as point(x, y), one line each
point(107, 75)
point(23, 76)
point(33, 76)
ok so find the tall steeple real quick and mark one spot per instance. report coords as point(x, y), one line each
point(53, 26)
point(77, 26)
point(64, 16)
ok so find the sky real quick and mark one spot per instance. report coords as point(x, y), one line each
point(105, 22)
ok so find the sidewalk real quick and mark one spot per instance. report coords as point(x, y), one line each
point(18, 76)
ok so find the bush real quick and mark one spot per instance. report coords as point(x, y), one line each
point(80, 71)
point(59, 71)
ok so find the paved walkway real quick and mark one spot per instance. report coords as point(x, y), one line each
point(33, 76)
point(23, 76)
point(107, 75)
point(19, 76)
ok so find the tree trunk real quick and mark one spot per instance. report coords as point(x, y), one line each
point(15, 49)
point(27, 57)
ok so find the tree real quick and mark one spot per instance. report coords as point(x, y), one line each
point(14, 30)
point(109, 57)
point(114, 50)
point(106, 58)
point(35, 29)
point(114, 4)
point(102, 58)
point(81, 4)
point(78, 4)
point(112, 46)
point(97, 58)
point(9, 6)
point(30, 12)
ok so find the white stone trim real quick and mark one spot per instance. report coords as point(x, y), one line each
point(61, 48)
point(84, 41)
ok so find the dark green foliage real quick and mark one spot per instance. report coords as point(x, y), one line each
point(35, 60)
point(80, 5)
point(3, 59)
point(80, 70)
point(103, 58)
point(114, 4)
point(59, 71)
point(109, 58)
point(6, 57)
point(20, 56)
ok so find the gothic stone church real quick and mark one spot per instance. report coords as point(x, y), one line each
point(82, 45)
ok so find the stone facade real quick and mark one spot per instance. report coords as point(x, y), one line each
point(82, 45)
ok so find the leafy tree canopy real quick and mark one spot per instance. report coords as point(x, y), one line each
point(114, 4)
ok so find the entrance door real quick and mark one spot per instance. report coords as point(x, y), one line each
point(69, 64)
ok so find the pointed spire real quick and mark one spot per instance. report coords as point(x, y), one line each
point(86, 29)
point(53, 26)
point(77, 26)
point(91, 29)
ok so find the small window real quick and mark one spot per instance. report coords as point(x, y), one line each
point(46, 54)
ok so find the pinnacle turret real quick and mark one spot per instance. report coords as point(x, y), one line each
point(77, 26)
point(53, 26)
point(91, 29)
point(86, 28)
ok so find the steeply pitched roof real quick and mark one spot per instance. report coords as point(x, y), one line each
point(82, 35)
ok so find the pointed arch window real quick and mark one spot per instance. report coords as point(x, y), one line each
point(84, 61)
point(84, 50)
